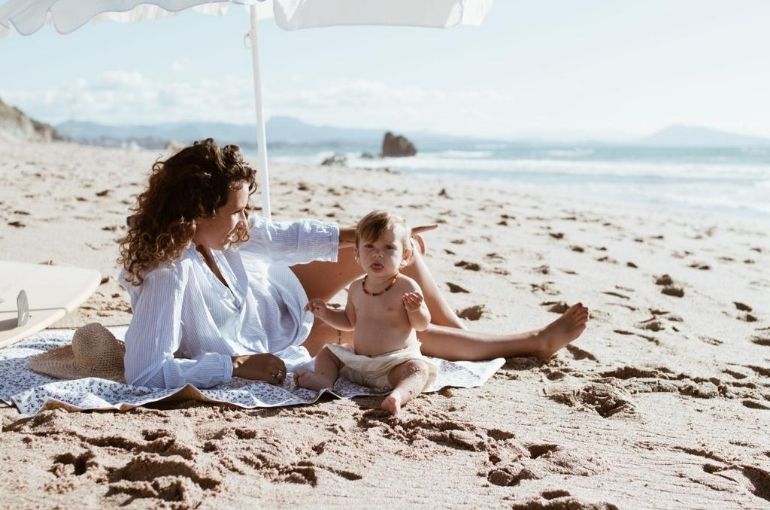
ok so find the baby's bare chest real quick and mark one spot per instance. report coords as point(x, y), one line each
point(383, 307)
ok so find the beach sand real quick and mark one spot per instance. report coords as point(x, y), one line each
point(664, 402)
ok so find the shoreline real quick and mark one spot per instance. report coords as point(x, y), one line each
point(663, 400)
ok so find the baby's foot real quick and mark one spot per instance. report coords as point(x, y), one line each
point(563, 330)
point(311, 380)
point(392, 403)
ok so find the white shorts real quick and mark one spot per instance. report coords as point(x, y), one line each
point(372, 371)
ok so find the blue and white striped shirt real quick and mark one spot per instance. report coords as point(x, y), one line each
point(187, 325)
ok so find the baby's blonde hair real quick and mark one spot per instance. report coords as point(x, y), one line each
point(372, 226)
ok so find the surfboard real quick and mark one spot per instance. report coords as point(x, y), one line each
point(49, 293)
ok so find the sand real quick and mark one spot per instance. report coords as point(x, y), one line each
point(664, 402)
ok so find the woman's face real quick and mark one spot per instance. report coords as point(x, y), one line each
point(219, 231)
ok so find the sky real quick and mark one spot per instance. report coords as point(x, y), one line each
point(545, 68)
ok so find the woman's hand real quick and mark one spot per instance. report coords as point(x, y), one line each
point(260, 367)
point(424, 228)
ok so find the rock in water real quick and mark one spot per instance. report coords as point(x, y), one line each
point(335, 160)
point(397, 146)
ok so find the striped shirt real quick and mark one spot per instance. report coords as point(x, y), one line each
point(187, 325)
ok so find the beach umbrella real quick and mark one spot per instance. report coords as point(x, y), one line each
point(29, 16)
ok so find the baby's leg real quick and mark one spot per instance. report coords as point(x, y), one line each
point(324, 375)
point(408, 379)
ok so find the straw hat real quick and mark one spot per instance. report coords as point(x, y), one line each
point(95, 352)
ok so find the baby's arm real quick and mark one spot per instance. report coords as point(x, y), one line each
point(335, 318)
point(416, 309)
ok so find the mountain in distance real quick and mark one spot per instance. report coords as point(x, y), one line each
point(696, 136)
point(279, 131)
point(292, 131)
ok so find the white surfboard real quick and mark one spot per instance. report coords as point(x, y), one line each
point(51, 293)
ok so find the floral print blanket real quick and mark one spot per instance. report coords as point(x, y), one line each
point(31, 392)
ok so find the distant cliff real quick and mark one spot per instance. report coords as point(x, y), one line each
point(698, 136)
point(16, 125)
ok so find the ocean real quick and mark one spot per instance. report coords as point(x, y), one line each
point(723, 181)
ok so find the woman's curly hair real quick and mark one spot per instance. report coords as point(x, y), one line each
point(193, 183)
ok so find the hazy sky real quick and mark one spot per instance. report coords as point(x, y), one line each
point(535, 67)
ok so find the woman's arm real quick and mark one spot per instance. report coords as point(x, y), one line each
point(347, 236)
point(154, 335)
point(292, 242)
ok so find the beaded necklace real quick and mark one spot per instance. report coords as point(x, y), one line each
point(383, 291)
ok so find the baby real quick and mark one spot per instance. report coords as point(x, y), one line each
point(384, 310)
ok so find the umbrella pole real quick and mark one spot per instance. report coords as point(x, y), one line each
point(261, 139)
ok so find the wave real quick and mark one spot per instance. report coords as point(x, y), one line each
point(608, 168)
point(733, 186)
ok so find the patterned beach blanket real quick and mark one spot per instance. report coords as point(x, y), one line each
point(31, 392)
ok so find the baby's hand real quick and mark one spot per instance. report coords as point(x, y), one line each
point(412, 301)
point(317, 307)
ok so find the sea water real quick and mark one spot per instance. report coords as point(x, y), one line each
point(733, 181)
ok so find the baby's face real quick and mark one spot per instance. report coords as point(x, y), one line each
point(383, 256)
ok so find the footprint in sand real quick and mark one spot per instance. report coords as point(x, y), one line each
point(556, 306)
point(561, 503)
point(454, 288)
point(470, 266)
point(762, 371)
point(761, 341)
point(651, 324)
point(616, 294)
point(71, 464)
point(742, 307)
point(753, 404)
point(147, 476)
point(668, 288)
point(472, 313)
point(580, 354)
point(605, 398)
point(544, 287)
point(734, 374)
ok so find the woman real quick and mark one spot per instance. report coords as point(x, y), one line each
point(217, 293)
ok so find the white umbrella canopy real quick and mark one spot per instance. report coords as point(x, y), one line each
point(28, 16)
